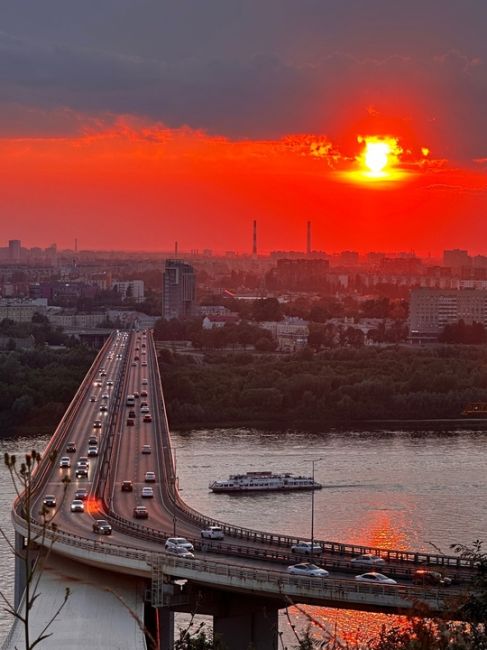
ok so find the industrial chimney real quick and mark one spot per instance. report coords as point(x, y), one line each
point(254, 239)
point(308, 238)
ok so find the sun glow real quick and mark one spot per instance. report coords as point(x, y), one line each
point(376, 156)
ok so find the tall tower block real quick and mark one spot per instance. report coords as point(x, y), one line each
point(308, 238)
point(254, 239)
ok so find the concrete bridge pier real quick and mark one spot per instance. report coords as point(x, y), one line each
point(20, 569)
point(165, 628)
point(243, 623)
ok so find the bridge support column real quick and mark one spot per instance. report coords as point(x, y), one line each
point(20, 569)
point(244, 623)
point(165, 628)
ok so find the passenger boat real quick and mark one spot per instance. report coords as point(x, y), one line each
point(264, 482)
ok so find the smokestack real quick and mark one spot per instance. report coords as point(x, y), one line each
point(76, 245)
point(308, 238)
point(254, 239)
point(175, 249)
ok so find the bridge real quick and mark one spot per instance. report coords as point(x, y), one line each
point(125, 587)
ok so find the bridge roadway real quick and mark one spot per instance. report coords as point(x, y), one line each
point(248, 563)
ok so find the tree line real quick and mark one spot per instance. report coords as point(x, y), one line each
point(339, 385)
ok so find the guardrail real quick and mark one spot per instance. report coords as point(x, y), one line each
point(57, 439)
point(268, 581)
point(329, 547)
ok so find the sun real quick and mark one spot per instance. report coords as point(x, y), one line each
point(376, 156)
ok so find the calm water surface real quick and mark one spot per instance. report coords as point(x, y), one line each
point(397, 489)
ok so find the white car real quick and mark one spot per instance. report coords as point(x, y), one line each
point(367, 560)
point(376, 578)
point(307, 569)
point(144, 409)
point(212, 532)
point(181, 542)
point(77, 506)
point(147, 493)
point(305, 548)
point(65, 462)
point(150, 477)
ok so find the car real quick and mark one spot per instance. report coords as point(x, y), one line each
point(134, 363)
point(97, 383)
point(143, 393)
point(307, 569)
point(181, 542)
point(127, 486)
point(136, 395)
point(81, 472)
point(180, 552)
point(306, 548)
point(130, 422)
point(136, 358)
point(93, 451)
point(147, 493)
point(144, 409)
point(92, 441)
point(144, 364)
point(82, 494)
point(102, 527)
point(376, 578)
point(103, 373)
point(212, 532)
point(143, 404)
point(146, 449)
point(132, 414)
point(65, 462)
point(143, 345)
point(49, 501)
point(147, 417)
point(103, 408)
point(77, 505)
point(105, 397)
point(367, 560)
point(97, 424)
point(429, 577)
point(70, 448)
point(140, 512)
point(144, 382)
point(92, 398)
point(110, 382)
point(150, 477)
point(83, 460)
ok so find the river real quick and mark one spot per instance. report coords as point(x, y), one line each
point(421, 490)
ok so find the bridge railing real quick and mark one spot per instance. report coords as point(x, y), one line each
point(58, 438)
point(273, 539)
point(207, 571)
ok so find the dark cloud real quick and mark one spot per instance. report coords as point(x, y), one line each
point(253, 69)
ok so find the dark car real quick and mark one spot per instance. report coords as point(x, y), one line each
point(81, 472)
point(102, 527)
point(429, 577)
point(130, 422)
point(82, 494)
point(71, 448)
point(49, 501)
point(140, 512)
point(127, 486)
point(92, 441)
point(131, 414)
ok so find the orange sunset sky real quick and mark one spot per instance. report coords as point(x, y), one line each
point(119, 133)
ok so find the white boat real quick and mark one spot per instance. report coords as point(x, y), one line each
point(264, 482)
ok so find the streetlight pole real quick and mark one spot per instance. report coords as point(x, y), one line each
point(316, 460)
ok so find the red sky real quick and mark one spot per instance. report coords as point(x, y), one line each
point(141, 186)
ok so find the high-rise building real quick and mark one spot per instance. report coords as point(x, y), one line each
point(431, 309)
point(456, 258)
point(179, 290)
point(14, 250)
